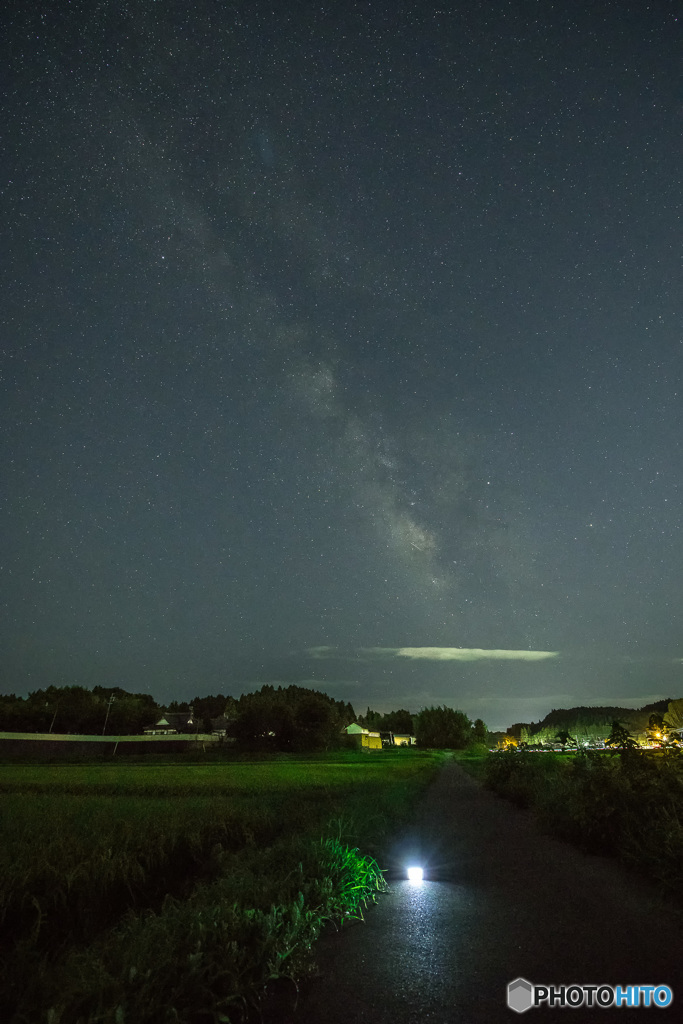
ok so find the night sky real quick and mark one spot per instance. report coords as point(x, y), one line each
point(341, 346)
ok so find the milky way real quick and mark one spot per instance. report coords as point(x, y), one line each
point(343, 329)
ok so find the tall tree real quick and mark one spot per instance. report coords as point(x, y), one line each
point(564, 737)
point(620, 738)
point(400, 721)
point(442, 728)
point(206, 708)
point(318, 723)
point(480, 733)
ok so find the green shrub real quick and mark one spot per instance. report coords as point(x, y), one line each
point(628, 805)
point(211, 957)
point(522, 777)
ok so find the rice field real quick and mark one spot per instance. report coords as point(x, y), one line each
point(178, 892)
point(276, 773)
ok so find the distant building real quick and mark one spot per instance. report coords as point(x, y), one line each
point(171, 723)
point(219, 725)
point(363, 737)
point(403, 740)
point(376, 740)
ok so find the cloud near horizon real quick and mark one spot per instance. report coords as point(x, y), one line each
point(457, 653)
point(434, 653)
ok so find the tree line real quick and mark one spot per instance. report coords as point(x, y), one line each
point(656, 722)
point(282, 718)
point(75, 709)
point(273, 717)
point(435, 727)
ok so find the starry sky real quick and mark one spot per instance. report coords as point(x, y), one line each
point(341, 346)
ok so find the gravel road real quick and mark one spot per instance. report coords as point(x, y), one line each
point(502, 901)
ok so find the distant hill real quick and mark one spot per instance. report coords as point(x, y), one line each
point(589, 723)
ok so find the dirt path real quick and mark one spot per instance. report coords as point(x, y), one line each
point(504, 901)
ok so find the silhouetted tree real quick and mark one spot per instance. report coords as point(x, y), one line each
point(290, 718)
point(400, 721)
point(480, 733)
point(371, 719)
point(176, 706)
point(620, 738)
point(318, 725)
point(442, 728)
point(206, 708)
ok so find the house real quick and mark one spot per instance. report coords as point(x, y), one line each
point(364, 738)
point(371, 740)
point(403, 740)
point(376, 740)
point(170, 723)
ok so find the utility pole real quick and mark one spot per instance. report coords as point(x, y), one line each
point(54, 716)
point(111, 701)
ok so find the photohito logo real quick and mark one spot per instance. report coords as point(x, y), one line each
point(522, 995)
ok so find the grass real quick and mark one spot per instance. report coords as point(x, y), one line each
point(177, 892)
point(173, 778)
point(627, 805)
point(473, 761)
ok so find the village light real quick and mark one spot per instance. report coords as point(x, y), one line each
point(415, 874)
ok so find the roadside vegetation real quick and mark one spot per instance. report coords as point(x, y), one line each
point(627, 804)
point(473, 759)
point(159, 893)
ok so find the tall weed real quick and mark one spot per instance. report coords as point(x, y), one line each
point(628, 805)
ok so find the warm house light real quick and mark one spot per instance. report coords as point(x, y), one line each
point(415, 874)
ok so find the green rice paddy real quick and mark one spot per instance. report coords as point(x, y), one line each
point(173, 892)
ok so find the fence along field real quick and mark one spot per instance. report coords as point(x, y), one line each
point(142, 893)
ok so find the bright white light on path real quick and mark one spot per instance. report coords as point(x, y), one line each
point(415, 874)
